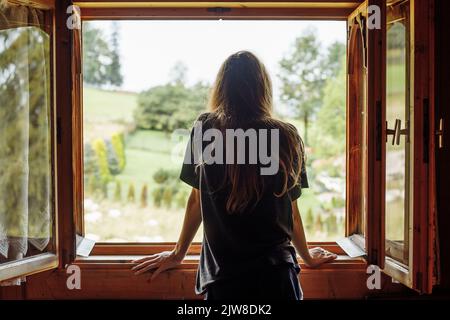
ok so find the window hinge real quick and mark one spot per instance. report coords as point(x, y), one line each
point(440, 134)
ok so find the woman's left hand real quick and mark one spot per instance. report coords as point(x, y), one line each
point(319, 256)
point(161, 262)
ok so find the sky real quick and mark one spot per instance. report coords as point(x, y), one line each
point(149, 49)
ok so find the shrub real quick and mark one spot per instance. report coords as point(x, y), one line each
point(332, 224)
point(118, 144)
point(167, 197)
point(99, 148)
point(181, 199)
point(118, 191)
point(318, 223)
point(309, 221)
point(157, 196)
point(131, 197)
point(162, 176)
point(144, 196)
point(113, 161)
point(92, 185)
point(91, 170)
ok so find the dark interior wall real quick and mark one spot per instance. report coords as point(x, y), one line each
point(443, 155)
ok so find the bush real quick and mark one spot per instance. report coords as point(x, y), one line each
point(91, 170)
point(118, 192)
point(309, 221)
point(318, 223)
point(118, 144)
point(171, 106)
point(167, 197)
point(332, 224)
point(131, 197)
point(99, 148)
point(144, 196)
point(157, 196)
point(92, 185)
point(162, 176)
point(181, 199)
point(113, 161)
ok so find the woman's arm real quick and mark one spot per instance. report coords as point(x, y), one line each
point(314, 257)
point(170, 259)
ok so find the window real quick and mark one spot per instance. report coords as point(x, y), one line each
point(399, 110)
point(132, 116)
point(27, 214)
point(391, 213)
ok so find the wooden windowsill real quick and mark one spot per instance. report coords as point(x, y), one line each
point(191, 262)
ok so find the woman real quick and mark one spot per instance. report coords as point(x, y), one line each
point(250, 219)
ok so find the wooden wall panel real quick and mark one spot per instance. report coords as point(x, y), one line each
point(118, 282)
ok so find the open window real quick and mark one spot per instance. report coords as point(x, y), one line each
point(138, 207)
point(389, 110)
point(28, 228)
point(389, 203)
point(365, 108)
point(381, 212)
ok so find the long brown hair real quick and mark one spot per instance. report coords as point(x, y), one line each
point(241, 97)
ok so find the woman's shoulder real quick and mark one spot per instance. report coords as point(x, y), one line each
point(284, 126)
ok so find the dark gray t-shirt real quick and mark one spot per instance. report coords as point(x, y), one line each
point(236, 243)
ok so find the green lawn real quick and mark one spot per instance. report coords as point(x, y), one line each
point(105, 106)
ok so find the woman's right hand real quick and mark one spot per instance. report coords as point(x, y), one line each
point(319, 256)
point(159, 262)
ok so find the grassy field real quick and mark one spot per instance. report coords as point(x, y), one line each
point(106, 106)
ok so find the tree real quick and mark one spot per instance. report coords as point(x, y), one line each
point(332, 115)
point(118, 143)
point(333, 62)
point(115, 75)
point(178, 73)
point(101, 60)
point(302, 78)
point(169, 107)
point(101, 153)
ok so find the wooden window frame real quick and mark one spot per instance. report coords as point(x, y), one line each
point(67, 86)
point(421, 273)
point(370, 234)
point(117, 10)
point(374, 239)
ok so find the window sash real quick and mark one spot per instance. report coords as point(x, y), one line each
point(46, 260)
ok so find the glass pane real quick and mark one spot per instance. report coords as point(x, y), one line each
point(26, 206)
point(135, 95)
point(397, 156)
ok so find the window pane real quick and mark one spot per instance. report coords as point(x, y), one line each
point(131, 185)
point(397, 155)
point(26, 206)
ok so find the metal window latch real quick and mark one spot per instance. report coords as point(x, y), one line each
point(397, 132)
point(440, 134)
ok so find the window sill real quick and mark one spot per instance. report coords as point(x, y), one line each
point(191, 262)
